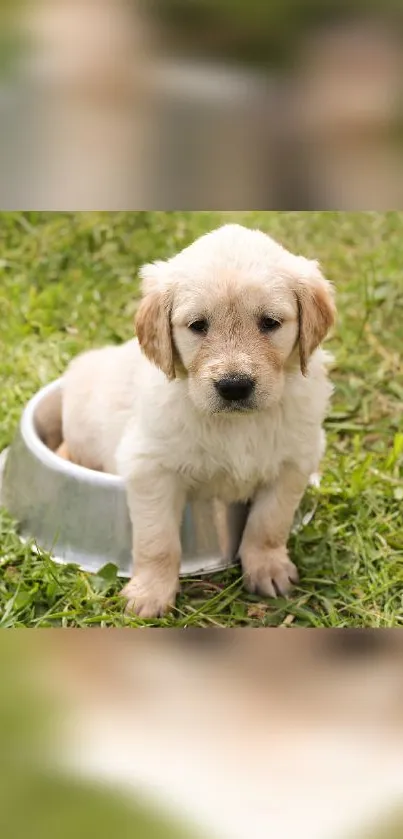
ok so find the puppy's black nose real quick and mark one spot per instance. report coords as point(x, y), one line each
point(235, 388)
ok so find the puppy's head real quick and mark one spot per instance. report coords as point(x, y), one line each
point(232, 313)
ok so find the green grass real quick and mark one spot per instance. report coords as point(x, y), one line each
point(69, 281)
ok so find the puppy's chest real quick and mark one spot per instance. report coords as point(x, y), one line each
point(231, 465)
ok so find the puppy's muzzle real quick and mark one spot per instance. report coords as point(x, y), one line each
point(235, 388)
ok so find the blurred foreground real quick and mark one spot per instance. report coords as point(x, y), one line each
point(104, 105)
point(202, 733)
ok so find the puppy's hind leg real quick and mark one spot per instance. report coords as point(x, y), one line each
point(63, 451)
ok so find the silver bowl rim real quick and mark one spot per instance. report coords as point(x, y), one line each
point(50, 458)
point(91, 477)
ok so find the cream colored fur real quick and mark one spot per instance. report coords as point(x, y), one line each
point(149, 410)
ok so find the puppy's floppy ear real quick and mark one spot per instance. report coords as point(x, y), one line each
point(153, 320)
point(316, 310)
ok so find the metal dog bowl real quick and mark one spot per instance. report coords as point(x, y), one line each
point(81, 516)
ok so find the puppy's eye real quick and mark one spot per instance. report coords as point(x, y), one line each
point(352, 644)
point(199, 326)
point(267, 324)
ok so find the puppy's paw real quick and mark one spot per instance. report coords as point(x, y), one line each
point(149, 599)
point(63, 451)
point(268, 572)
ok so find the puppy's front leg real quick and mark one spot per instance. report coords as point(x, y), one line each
point(156, 501)
point(266, 566)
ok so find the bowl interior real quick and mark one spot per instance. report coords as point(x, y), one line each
point(41, 427)
point(46, 416)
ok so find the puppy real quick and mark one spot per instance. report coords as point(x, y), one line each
point(222, 396)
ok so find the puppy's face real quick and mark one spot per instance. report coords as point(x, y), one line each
point(234, 338)
point(232, 313)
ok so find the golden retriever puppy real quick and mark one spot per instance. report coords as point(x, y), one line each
point(222, 396)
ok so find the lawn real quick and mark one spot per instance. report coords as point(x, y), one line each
point(69, 281)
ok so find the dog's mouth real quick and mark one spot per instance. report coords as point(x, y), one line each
point(239, 406)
